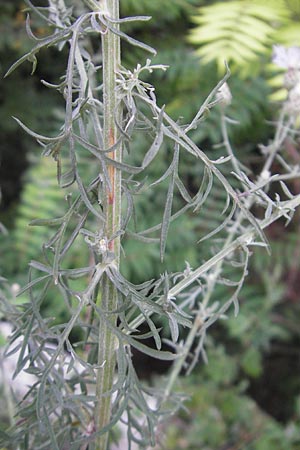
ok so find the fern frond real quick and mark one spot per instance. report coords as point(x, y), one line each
point(37, 202)
point(235, 31)
point(289, 34)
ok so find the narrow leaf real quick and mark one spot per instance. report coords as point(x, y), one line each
point(168, 206)
point(153, 150)
point(131, 41)
point(48, 41)
point(46, 222)
point(37, 136)
point(173, 327)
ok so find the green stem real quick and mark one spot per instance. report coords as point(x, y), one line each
point(179, 362)
point(112, 211)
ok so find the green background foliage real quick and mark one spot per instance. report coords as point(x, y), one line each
point(224, 395)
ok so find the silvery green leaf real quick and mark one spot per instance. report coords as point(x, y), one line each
point(286, 190)
point(204, 190)
point(140, 237)
point(182, 189)
point(156, 145)
point(22, 359)
point(85, 198)
point(129, 19)
point(154, 331)
point(96, 25)
point(123, 166)
point(46, 222)
point(173, 327)
point(225, 222)
point(31, 284)
point(49, 426)
point(268, 211)
point(167, 173)
point(168, 206)
point(41, 267)
point(36, 135)
point(131, 40)
point(144, 336)
point(157, 354)
point(74, 235)
point(46, 42)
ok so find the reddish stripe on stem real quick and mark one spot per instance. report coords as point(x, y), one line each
point(111, 169)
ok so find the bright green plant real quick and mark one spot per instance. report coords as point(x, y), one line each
point(242, 31)
point(86, 384)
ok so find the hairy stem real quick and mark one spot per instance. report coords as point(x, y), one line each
point(112, 211)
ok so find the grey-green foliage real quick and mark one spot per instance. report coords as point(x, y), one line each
point(59, 408)
point(181, 82)
point(41, 189)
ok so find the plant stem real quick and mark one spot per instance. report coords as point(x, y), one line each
point(281, 133)
point(112, 211)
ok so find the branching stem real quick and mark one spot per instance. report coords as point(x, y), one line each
point(112, 211)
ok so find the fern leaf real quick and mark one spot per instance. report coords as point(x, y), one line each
point(289, 35)
point(236, 31)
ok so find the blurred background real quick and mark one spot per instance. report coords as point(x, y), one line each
point(248, 396)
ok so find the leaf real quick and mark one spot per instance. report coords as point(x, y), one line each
point(36, 135)
point(159, 137)
point(154, 332)
point(157, 354)
point(182, 189)
point(55, 38)
point(22, 360)
point(46, 222)
point(131, 40)
point(235, 31)
point(74, 235)
point(173, 327)
point(85, 198)
point(225, 222)
point(168, 206)
point(32, 283)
